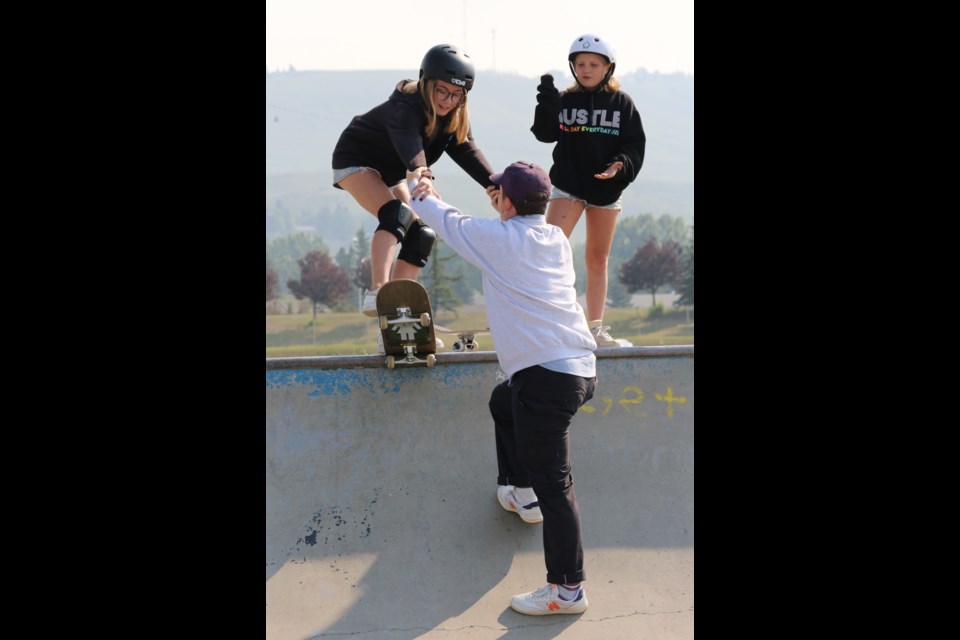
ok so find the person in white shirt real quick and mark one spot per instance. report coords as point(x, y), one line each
point(545, 348)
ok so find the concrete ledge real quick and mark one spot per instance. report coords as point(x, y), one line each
point(445, 358)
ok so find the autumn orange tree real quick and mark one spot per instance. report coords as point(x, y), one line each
point(321, 281)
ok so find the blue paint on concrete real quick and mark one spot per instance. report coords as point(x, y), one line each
point(346, 382)
point(332, 382)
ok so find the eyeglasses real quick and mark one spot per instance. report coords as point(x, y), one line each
point(443, 94)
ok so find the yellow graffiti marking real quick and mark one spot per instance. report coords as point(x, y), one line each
point(670, 399)
point(606, 400)
point(632, 396)
point(625, 402)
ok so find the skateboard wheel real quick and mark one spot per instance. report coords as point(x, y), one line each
point(431, 360)
point(425, 319)
point(383, 322)
point(391, 361)
point(457, 346)
point(472, 346)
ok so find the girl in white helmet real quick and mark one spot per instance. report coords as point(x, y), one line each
point(599, 151)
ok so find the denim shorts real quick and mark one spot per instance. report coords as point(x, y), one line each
point(340, 174)
point(558, 193)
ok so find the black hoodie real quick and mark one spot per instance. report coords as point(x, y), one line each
point(592, 130)
point(390, 139)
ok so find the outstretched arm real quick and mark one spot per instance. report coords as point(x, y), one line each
point(470, 158)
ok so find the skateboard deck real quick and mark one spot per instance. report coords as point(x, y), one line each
point(466, 338)
point(406, 323)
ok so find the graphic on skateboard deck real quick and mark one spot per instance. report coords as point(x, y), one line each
point(466, 338)
point(406, 323)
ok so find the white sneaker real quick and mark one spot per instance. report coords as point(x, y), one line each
point(508, 500)
point(369, 307)
point(546, 601)
point(381, 350)
point(602, 337)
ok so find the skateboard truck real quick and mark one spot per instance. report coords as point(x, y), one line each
point(404, 317)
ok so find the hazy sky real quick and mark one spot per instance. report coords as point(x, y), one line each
point(526, 37)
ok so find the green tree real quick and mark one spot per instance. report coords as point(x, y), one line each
point(360, 246)
point(651, 267)
point(362, 275)
point(438, 280)
point(349, 257)
point(271, 281)
point(343, 259)
point(471, 282)
point(278, 219)
point(686, 285)
point(359, 260)
point(321, 280)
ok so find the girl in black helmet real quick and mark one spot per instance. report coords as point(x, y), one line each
point(599, 151)
point(420, 121)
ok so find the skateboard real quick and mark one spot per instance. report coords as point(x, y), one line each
point(466, 338)
point(404, 313)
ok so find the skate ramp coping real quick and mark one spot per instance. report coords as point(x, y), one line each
point(381, 512)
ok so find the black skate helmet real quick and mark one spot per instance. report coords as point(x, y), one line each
point(448, 63)
point(592, 43)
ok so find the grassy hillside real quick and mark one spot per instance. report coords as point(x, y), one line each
point(343, 334)
point(306, 112)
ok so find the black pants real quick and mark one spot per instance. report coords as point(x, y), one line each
point(532, 415)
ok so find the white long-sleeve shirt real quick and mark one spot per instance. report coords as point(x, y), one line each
point(528, 283)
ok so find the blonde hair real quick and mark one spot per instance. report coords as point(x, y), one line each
point(459, 117)
point(613, 84)
point(610, 86)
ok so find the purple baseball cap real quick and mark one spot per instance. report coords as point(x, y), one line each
point(521, 180)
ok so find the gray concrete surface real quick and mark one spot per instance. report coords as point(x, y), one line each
point(382, 521)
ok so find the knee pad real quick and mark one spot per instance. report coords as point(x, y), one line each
point(418, 244)
point(396, 218)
